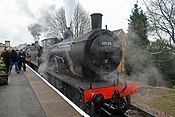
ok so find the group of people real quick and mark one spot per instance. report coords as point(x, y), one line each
point(14, 57)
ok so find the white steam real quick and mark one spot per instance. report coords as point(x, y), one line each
point(69, 9)
point(143, 67)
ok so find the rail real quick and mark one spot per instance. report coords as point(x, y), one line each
point(134, 111)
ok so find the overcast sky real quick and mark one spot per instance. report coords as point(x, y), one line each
point(16, 15)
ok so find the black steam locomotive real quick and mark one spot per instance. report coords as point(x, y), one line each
point(91, 55)
point(84, 69)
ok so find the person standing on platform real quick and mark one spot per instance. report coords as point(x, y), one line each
point(18, 59)
point(6, 58)
point(13, 58)
point(22, 60)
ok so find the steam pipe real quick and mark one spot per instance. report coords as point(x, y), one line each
point(124, 89)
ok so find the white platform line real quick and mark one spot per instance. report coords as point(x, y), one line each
point(64, 97)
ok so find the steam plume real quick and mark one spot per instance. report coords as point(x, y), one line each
point(69, 7)
point(143, 67)
point(36, 30)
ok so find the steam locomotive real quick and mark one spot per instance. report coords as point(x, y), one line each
point(85, 69)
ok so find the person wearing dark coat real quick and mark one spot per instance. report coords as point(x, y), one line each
point(22, 56)
point(6, 58)
point(14, 60)
point(18, 59)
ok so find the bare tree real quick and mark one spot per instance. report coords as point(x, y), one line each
point(61, 20)
point(161, 14)
point(81, 20)
point(56, 23)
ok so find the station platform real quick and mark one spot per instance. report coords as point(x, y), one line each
point(27, 95)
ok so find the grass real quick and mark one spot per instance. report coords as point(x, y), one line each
point(159, 98)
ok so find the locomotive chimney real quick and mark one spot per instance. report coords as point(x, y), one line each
point(96, 20)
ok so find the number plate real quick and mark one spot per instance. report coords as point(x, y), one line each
point(106, 43)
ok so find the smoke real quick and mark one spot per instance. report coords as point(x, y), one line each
point(143, 67)
point(69, 9)
point(36, 30)
point(149, 76)
point(44, 63)
point(23, 4)
point(46, 60)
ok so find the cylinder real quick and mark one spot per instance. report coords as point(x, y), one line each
point(96, 20)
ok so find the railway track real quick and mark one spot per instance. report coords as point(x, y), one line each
point(134, 111)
